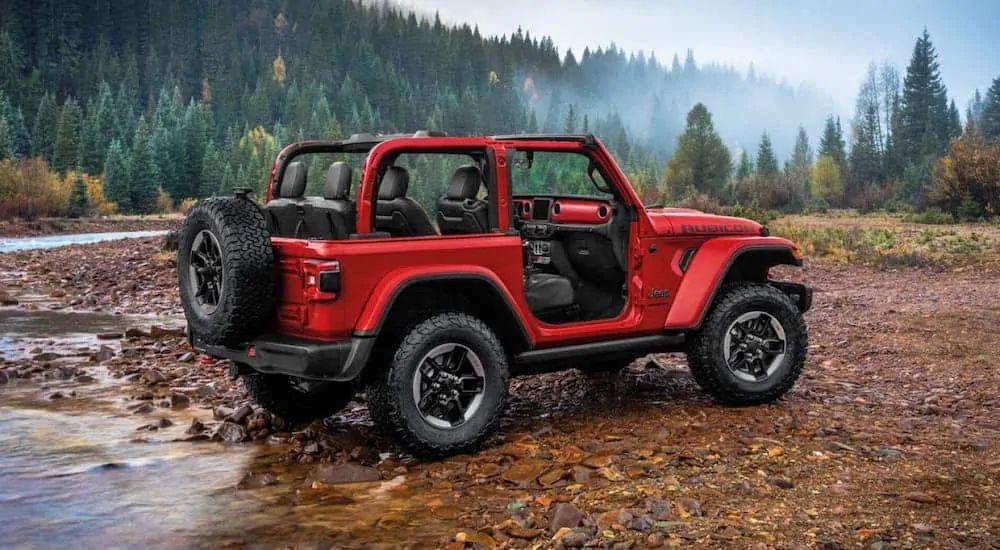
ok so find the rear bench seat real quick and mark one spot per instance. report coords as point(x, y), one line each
point(332, 216)
point(286, 214)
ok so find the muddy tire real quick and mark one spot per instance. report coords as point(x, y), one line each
point(443, 391)
point(751, 347)
point(225, 269)
point(298, 401)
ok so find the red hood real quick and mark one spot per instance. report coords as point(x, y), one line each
point(686, 221)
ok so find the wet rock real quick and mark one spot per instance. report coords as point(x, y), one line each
point(7, 300)
point(179, 401)
point(58, 293)
point(923, 498)
point(518, 532)
point(196, 427)
point(581, 474)
point(157, 332)
point(109, 335)
point(565, 515)
point(575, 539)
point(171, 241)
point(164, 423)
point(152, 377)
point(46, 356)
point(56, 396)
point(186, 357)
point(136, 333)
point(256, 480)
point(257, 421)
point(332, 474)
point(144, 396)
point(103, 354)
point(230, 432)
point(240, 414)
point(525, 471)
point(4, 377)
point(142, 408)
point(551, 477)
point(654, 540)
point(614, 517)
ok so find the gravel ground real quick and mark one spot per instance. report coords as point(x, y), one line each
point(890, 440)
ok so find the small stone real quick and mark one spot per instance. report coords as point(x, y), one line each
point(7, 300)
point(581, 474)
point(781, 482)
point(923, 498)
point(105, 353)
point(222, 411)
point(4, 377)
point(159, 332)
point(257, 421)
point(516, 531)
point(230, 432)
point(45, 357)
point(525, 471)
point(643, 523)
point(343, 473)
point(152, 377)
point(58, 293)
point(923, 529)
point(109, 335)
point(565, 515)
point(240, 414)
point(977, 445)
point(880, 545)
point(179, 401)
point(144, 396)
point(164, 423)
point(186, 357)
point(257, 480)
point(136, 333)
point(56, 396)
point(196, 427)
point(575, 539)
point(654, 540)
point(143, 408)
point(690, 506)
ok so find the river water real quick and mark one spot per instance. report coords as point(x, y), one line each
point(11, 244)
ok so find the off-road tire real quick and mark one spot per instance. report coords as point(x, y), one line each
point(706, 356)
point(277, 394)
point(246, 300)
point(390, 395)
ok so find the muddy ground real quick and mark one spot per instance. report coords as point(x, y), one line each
point(58, 226)
point(891, 439)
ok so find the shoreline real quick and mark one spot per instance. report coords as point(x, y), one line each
point(41, 227)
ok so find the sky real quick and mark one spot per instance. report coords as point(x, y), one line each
point(825, 44)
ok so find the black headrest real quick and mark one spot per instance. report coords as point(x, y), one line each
point(337, 186)
point(465, 183)
point(394, 184)
point(293, 182)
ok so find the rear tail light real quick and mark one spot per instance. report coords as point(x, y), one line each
point(322, 280)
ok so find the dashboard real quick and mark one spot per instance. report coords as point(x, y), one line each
point(560, 210)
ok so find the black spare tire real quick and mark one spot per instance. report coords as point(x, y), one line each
point(225, 269)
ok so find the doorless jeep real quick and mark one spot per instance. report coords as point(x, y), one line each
point(429, 269)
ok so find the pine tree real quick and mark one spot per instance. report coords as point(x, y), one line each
point(802, 154)
point(767, 163)
point(569, 125)
point(67, 145)
point(6, 144)
point(586, 124)
point(924, 125)
point(43, 132)
point(954, 121)
point(142, 175)
point(212, 171)
point(116, 177)
point(990, 119)
point(701, 162)
point(745, 167)
point(832, 143)
point(79, 198)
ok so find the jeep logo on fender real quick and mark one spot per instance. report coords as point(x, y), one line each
point(717, 228)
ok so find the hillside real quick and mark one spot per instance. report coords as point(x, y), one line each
point(190, 81)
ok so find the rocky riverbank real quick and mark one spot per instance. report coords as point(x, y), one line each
point(890, 440)
point(61, 226)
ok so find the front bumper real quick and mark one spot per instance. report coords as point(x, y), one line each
point(278, 354)
point(800, 294)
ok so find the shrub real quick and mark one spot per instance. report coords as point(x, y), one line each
point(164, 204)
point(29, 189)
point(931, 216)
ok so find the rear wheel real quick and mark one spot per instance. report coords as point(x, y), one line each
point(752, 345)
point(298, 400)
point(445, 386)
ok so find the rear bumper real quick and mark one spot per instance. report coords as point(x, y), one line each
point(801, 295)
point(277, 354)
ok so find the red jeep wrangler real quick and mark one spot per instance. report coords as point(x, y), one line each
point(462, 261)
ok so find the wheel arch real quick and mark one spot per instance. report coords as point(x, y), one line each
point(478, 294)
point(724, 261)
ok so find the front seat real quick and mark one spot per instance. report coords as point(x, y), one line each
point(396, 213)
point(286, 214)
point(460, 212)
point(333, 215)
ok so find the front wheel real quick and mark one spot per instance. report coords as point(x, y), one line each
point(445, 387)
point(752, 345)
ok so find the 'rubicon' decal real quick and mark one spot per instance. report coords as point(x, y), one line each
point(717, 228)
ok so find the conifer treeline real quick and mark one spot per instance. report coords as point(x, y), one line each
point(193, 97)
